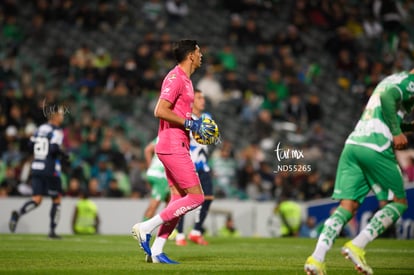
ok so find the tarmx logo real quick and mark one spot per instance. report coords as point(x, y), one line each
point(49, 109)
point(288, 153)
point(290, 156)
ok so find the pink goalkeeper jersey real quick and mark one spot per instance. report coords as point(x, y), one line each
point(176, 88)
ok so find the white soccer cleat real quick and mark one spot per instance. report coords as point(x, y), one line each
point(142, 237)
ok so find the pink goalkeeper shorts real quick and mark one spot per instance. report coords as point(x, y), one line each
point(180, 170)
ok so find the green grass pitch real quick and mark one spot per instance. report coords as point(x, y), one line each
point(104, 254)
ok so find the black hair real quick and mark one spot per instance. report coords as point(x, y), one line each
point(182, 48)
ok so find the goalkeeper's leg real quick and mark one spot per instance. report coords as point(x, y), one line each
point(184, 184)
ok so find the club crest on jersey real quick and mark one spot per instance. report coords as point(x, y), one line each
point(172, 77)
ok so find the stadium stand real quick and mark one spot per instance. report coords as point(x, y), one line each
point(111, 87)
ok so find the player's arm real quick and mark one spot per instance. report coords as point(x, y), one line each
point(55, 142)
point(389, 100)
point(32, 142)
point(149, 152)
point(163, 110)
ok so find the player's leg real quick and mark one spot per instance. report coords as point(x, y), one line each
point(180, 237)
point(55, 192)
point(315, 264)
point(180, 170)
point(386, 176)
point(350, 188)
point(157, 248)
point(196, 235)
point(391, 231)
point(159, 192)
point(54, 217)
point(151, 209)
point(39, 188)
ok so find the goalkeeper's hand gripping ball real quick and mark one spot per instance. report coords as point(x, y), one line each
point(208, 133)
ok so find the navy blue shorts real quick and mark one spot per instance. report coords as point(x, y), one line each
point(46, 186)
point(206, 182)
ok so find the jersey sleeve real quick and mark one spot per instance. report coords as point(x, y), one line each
point(389, 102)
point(57, 137)
point(56, 141)
point(171, 88)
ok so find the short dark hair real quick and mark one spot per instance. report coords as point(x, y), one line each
point(182, 48)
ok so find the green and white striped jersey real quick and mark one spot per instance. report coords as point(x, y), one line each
point(156, 168)
point(381, 120)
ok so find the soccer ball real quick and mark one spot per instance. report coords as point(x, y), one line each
point(211, 129)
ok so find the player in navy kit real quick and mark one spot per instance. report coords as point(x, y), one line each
point(45, 170)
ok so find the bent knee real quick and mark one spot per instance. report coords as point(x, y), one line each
point(401, 201)
point(197, 199)
point(350, 205)
point(37, 200)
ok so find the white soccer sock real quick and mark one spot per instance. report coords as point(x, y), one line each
point(332, 227)
point(320, 251)
point(149, 225)
point(362, 239)
point(158, 246)
point(180, 236)
point(195, 232)
point(382, 219)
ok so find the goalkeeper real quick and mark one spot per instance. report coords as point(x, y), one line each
point(174, 111)
point(368, 163)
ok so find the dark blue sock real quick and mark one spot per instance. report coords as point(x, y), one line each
point(28, 206)
point(180, 225)
point(202, 215)
point(54, 216)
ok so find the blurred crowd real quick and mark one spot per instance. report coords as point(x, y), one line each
point(265, 78)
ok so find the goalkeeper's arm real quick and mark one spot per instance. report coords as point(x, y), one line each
point(163, 110)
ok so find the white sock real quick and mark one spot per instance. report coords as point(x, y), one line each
point(382, 219)
point(180, 236)
point(362, 239)
point(332, 227)
point(195, 232)
point(149, 225)
point(158, 246)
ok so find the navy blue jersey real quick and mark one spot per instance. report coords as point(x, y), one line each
point(199, 154)
point(46, 143)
